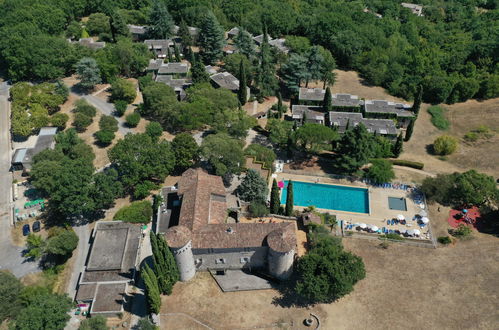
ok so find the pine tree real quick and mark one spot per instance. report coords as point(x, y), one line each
point(152, 289)
point(410, 128)
point(185, 35)
point(118, 26)
point(244, 43)
point(275, 203)
point(314, 64)
point(326, 104)
point(289, 199)
point(417, 100)
point(177, 53)
point(199, 74)
point(211, 38)
point(160, 21)
point(398, 146)
point(242, 93)
point(267, 81)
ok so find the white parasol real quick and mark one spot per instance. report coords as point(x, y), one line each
point(411, 232)
point(374, 228)
point(425, 220)
point(362, 225)
point(417, 232)
point(423, 213)
point(400, 217)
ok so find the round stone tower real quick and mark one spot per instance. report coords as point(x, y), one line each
point(179, 239)
point(282, 243)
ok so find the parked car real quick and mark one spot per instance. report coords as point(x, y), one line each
point(26, 230)
point(36, 226)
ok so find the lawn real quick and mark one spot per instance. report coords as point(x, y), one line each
point(438, 117)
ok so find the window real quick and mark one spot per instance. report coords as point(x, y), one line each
point(199, 261)
point(245, 260)
point(220, 261)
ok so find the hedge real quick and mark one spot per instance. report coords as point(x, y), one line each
point(407, 163)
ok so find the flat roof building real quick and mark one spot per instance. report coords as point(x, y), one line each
point(346, 100)
point(388, 107)
point(228, 81)
point(23, 158)
point(340, 120)
point(90, 43)
point(173, 68)
point(312, 114)
point(311, 94)
point(415, 9)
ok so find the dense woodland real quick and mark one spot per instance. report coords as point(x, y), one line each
point(451, 51)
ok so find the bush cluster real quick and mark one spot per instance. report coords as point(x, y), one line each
point(137, 212)
point(407, 163)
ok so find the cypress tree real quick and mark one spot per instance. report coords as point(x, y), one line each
point(326, 104)
point(267, 82)
point(178, 58)
point(279, 104)
point(170, 56)
point(159, 263)
point(348, 125)
point(410, 128)
point(274, 198)
point(152, 290)
point(398, 146)
point(417, 100)
point(172, 272)
point(289, 199)
point(211, 38)
point(242, 93)
point(199, 74)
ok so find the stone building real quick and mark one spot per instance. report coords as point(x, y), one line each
point(202, 240)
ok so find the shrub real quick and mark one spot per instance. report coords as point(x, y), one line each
point(438, 117)
point(445, 145)
point(83, 107)
point(380, 171)
point(462, 231)
point(444, 240)
point(59, 120)
point(407, 163)
point(104, 137)
point(258, 209)
point(471, 136)
point(81, 122)
point(120, 107)
point(133, 119)
point(137, 212)
point(393, 236)
point(154, 130)
point(108, 123)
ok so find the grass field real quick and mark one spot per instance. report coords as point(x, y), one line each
point(438, 117)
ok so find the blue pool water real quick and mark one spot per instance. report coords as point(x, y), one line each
point(325, 196)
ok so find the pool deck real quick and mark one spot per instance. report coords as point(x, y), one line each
point(378, 204)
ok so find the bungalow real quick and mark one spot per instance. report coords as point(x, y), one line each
point(23, 158)
point(308, 114)
point(389, 110)
point(159, 47)
point(176, 69)
point(178, 85)
point(90, 43)
point(383, 127)
point(313, 96)
point(346, 102)
point(193, 31)
point(415, 9)
point(138, 32)
point(232, 33)
point(110, 268)
point(279, 44)
point(227, 81)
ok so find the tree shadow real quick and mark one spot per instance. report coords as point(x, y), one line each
point(78, 90)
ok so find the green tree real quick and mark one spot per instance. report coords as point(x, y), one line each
point(104, 137)
point(120, 107)
point(327, 103)
point(97, 322)
point(74, 30)
point(185, 35)
point(280, 108)
point(10, 289)
point(211, 38)
point(288, 211)
point(160, 21)
point(81, 121)
point(165, 266)
point(266, 77)
point(258, 209)
point(133, 119)
point(418, 99)
point(294, 72)
point(398, 147)
point(355, 149)
point(178, 58)
point(244, 43)
point(118, 25)
point(314, 137)
point(62, 244)
point(199, 74)
point(253, 187)
point(152, 289)
point(59, 120)
point(327, 272)
point(137, 158)
point(232, 64)
point(275, 201)
point(46, 311)
point(108, 123)
point(410, 128)
point(98, 23)
point(106, 188)
point(242, 93)
point(160, 104)
point(445, 145)
point(137, 212)
point(186, 151)
point(82, 106)
point(280, 131)
point(314, 64)
point(145, 324)
point(34, 245)
point(380, 171)
point(223, 153)
point(154, 130)
point(122, 89)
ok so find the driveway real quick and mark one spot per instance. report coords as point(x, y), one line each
point(10, 256)
point(108, 109)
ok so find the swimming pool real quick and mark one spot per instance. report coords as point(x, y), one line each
point(331, 197)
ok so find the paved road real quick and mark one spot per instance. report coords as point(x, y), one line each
point(10, 256)
point(108, 109)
